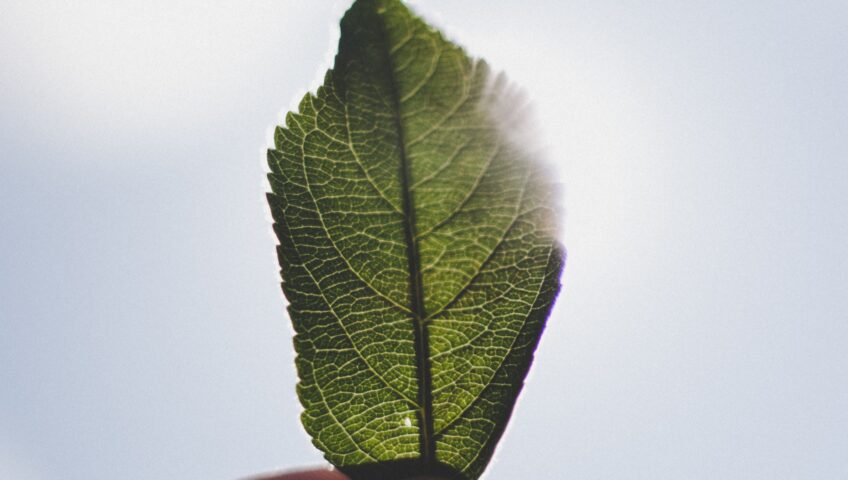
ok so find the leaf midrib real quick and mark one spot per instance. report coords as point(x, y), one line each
point(427, 440)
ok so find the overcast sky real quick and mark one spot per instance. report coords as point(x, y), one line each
point(703, 146)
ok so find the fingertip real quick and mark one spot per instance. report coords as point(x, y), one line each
point(317, 474)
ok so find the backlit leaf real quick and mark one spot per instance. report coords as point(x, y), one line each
point(417, 247)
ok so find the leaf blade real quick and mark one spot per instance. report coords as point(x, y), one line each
point(417, 246)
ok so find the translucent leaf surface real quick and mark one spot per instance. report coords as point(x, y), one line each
point(417, 247)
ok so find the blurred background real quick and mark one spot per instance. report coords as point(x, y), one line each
point(703, 146)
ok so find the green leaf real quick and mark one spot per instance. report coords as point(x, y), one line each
point(417, 247)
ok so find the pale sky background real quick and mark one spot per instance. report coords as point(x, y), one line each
point(703, 329)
